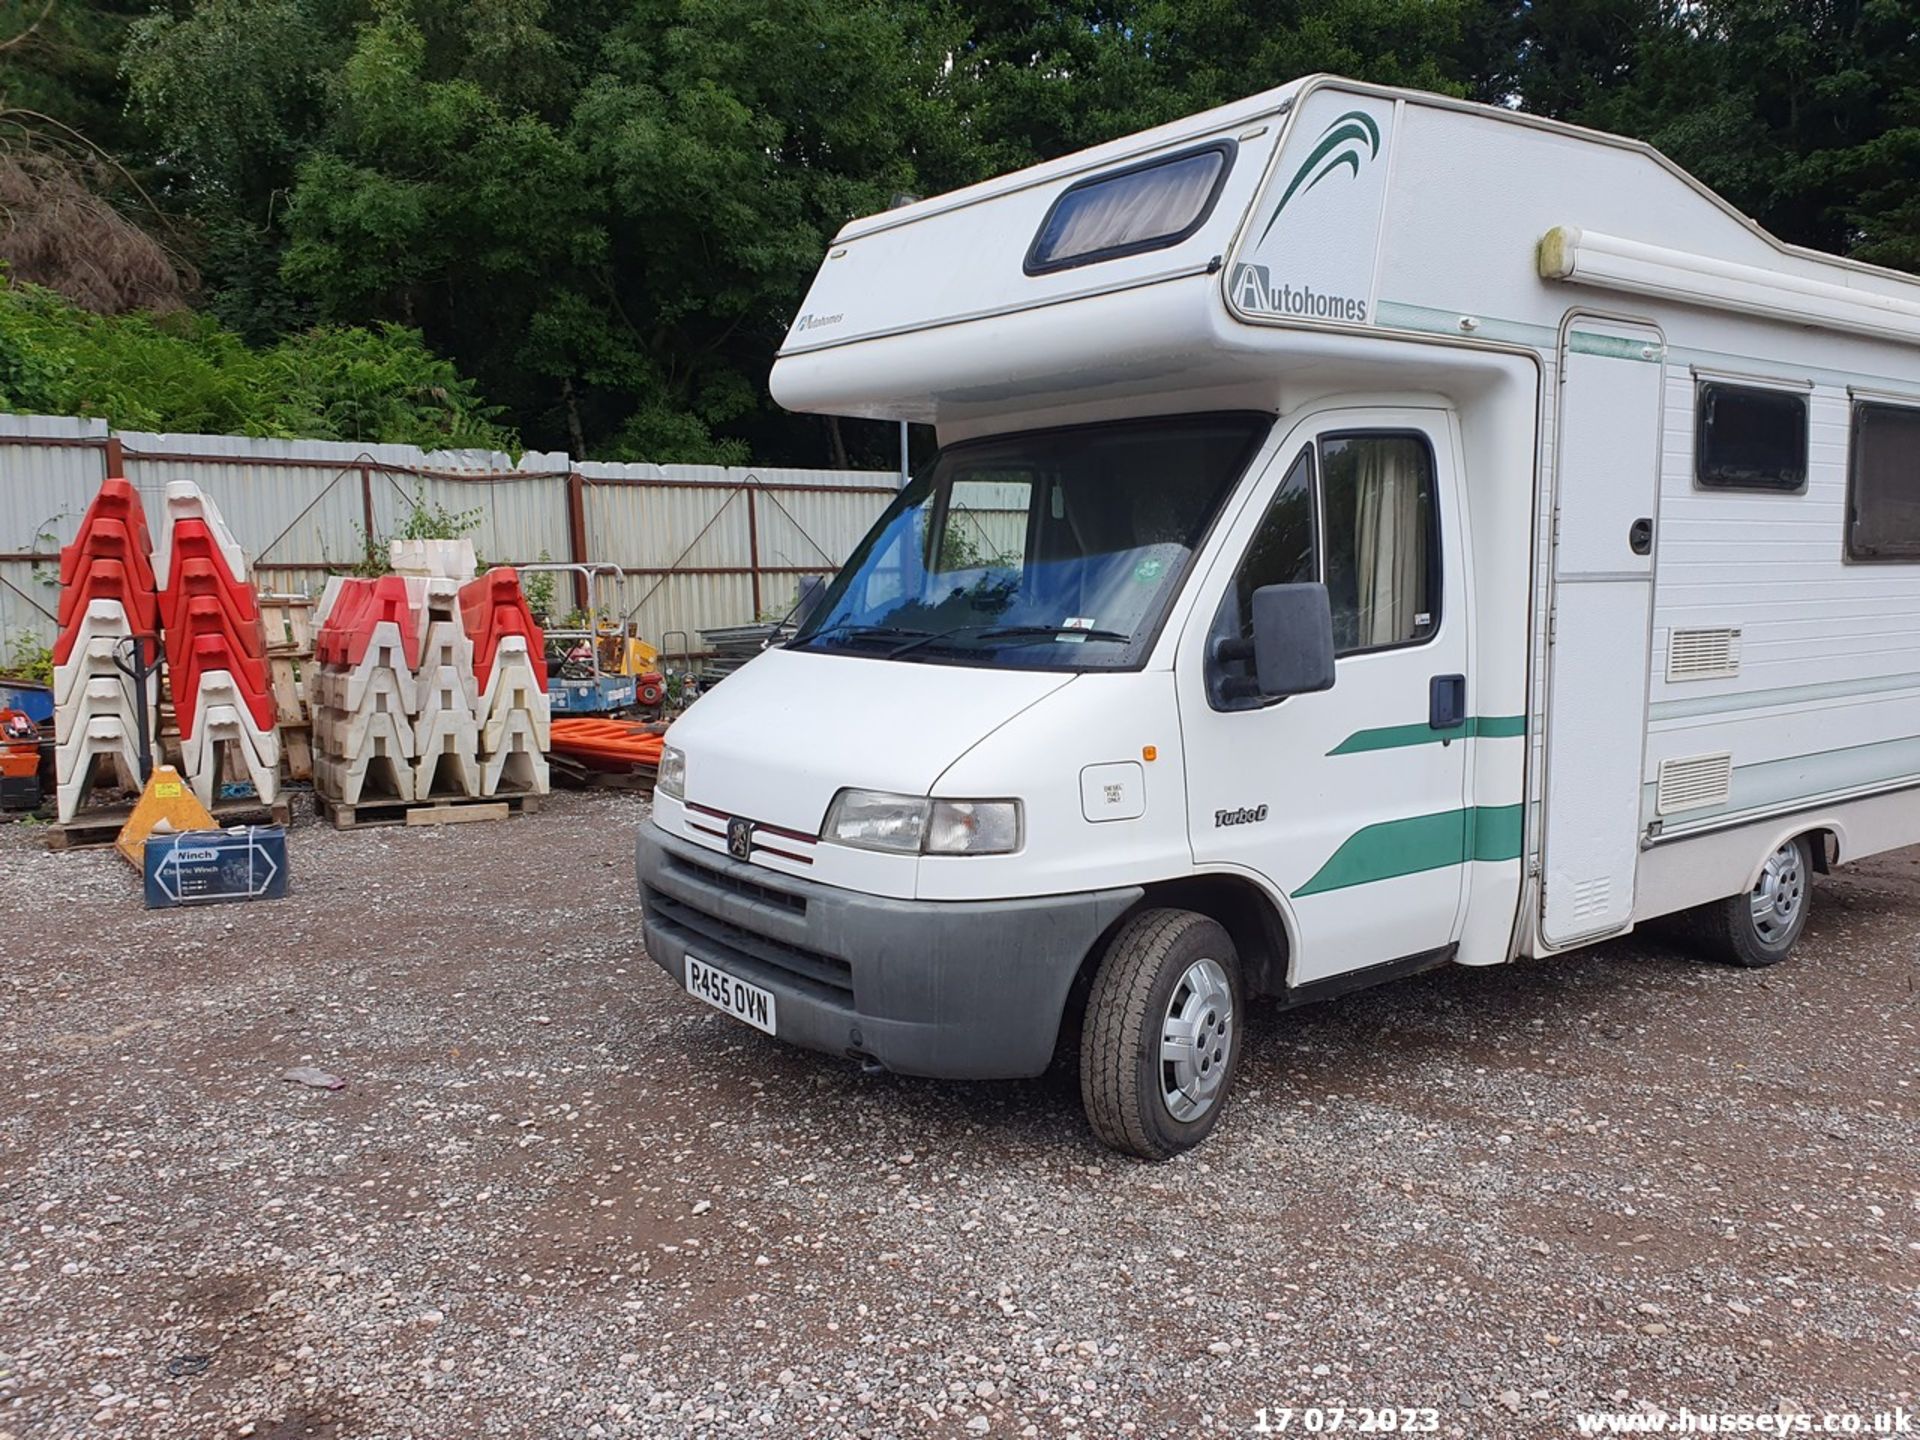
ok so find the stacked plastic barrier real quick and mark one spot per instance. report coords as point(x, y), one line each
point(426, 689)
point(216, 651)
point(514, 715)
point(446, 729)
point(362, 690)
point(107, 594)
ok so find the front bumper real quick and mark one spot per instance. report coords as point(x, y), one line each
point(959, 990)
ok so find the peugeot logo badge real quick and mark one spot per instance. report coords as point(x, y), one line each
point(740, 838)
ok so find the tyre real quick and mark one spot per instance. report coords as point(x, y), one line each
point(1160, 1044)
point(1762, 926)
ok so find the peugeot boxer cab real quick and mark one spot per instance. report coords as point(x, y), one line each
point(1279, 614)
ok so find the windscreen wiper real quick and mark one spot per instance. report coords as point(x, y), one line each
point(853, 629)
point(1019, 634)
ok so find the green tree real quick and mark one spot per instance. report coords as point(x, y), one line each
point(606, 212)
point(181, 371)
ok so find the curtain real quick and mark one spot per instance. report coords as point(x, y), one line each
point(1389, 541)
point(1159, 201)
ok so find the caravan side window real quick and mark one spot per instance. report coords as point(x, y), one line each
point(1883, 483)
point(1749, 438)
point(1382, 545)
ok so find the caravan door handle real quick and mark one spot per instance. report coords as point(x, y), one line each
point(1446, 702)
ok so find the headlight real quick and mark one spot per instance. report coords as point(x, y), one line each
point(915, 825)
point(875, 820)
point(672, 779)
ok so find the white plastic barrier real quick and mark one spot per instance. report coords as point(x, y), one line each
point(225, 735)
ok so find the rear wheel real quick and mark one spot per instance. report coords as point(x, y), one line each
point(1161, 1041)
point(1762, 926)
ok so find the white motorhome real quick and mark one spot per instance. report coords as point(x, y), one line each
point(1369, 531)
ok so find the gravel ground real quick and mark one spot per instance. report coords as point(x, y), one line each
point(557, 1198)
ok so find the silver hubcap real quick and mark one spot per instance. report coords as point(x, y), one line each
point(1779, 894)
point(1196, 1040)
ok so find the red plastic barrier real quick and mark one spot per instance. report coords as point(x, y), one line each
point(330, 645)
point(207, 654)
point(196, 580)
point(196, 551)
point(102, 580)
point(493, 607)
point(114, 522)
point(361, 605)
point(111, 558)
point(107, 538)
point(203, 637)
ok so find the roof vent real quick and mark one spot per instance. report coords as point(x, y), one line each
point(1695, 782)
point(1703, 654)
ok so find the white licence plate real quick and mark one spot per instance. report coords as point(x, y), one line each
point(722, 991)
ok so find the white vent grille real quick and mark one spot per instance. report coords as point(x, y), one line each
point(1703, 654)
point(1592, 897)
point(1694, 783)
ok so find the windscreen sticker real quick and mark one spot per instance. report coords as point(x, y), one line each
point(1078, 622)
point(1149, 570)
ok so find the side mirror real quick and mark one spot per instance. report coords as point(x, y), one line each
point(1292, 639)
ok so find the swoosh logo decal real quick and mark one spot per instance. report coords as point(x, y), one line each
point(1340, 145)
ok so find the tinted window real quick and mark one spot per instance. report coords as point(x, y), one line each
point(986, 522)
point(1144, 208)
point(1056, 549)
point(1883, 484)
point(1381, 549)
point(1749, 439)
point(1281, 552)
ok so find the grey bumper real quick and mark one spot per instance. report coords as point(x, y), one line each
point(960, 990)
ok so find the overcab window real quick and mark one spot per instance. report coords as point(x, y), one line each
point(1125, 212)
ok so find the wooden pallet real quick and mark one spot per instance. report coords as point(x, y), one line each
point(574, 776)
point(451, 810)
point(97, 829)
point(288, 622)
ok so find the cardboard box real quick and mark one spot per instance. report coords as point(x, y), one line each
point(204, 867)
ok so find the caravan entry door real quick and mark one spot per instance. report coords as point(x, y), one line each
point(1607, 505)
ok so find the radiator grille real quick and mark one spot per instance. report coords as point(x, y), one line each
point(1694, 783)
point(1703, 654)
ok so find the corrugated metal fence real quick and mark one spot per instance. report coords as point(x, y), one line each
point(701, 546)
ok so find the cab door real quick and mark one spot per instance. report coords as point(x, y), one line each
point(1351, 801)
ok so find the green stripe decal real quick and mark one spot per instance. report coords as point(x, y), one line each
point(1396, 737)
point(1422, 842)
point(1611, 347)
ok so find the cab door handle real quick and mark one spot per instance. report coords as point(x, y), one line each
point(1446, 701)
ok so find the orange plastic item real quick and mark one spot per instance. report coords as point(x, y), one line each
point(604, 744)
point(167, 804)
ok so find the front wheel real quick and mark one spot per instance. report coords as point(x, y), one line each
point(1161, 1041)
point(1762, 926)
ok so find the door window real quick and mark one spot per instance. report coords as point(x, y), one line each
point(1369, 529)
point(1382, 540)
point(1281, 552)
